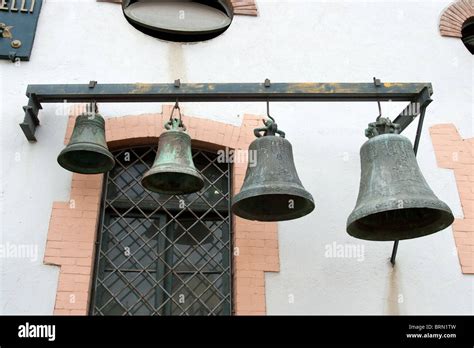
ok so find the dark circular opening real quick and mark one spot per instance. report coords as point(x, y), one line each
point(273, 207)
point(400, 224)
point(467, 33)
point(86, 162)
point(167, 20)
point(172, 183)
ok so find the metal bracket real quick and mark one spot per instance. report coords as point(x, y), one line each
point(31, 120)
point(267, 83)
point(177, 83)
point(413, 110)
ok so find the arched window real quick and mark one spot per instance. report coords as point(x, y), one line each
point(457, 20)
point(163, 254)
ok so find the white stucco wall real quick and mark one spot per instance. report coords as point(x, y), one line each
point(290, 41)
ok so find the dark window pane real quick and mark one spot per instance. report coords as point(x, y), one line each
point(197, 294)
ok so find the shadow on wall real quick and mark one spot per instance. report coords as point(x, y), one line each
point(394, 293)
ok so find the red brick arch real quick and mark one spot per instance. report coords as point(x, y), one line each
point(73, 225)
point(454, 16)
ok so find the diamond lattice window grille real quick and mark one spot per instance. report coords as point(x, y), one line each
point(163, 254)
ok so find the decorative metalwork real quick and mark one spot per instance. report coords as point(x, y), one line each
point(271, 128)
point(163, 254)
point(383, 125)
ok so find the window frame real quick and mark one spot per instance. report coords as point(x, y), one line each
point(107, 213)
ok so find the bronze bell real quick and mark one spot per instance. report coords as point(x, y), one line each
point(394, 201)
point(272, 190)
point(87, 151)
point(173, 171)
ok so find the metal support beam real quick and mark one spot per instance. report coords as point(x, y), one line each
point(424, 101)
point(414, 108)
point(224, 92)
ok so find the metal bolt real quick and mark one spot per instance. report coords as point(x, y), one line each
point(16, 43)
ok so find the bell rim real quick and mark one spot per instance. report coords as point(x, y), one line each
point(173, 168)
point(83, 146)
point(239, 199)
point(445, 220)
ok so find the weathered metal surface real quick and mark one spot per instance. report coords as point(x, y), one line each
point(272, 190)
point(383, 125)
point(414, 108)
point(394, 201)
point(31, 120)
point(18, 21)
point(417, 94)
point(87, 151)
point(270, 128)
point(173, 171)
point(225, 92)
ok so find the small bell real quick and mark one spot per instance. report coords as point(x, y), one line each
point(87, 151)
point(272, 190)
point(173, 171)
point(394, 201)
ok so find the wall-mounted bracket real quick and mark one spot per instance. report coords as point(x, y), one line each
point(31, 120)
point(414, 108)
point(404, 119)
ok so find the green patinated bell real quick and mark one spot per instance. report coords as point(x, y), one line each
point(394, 201)
point(173, 171)
point(87, 151)
point(272, 190)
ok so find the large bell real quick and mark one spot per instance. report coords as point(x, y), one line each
point(272, 190)
point(394, 201)
point(87, 151)
point(173, 171)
